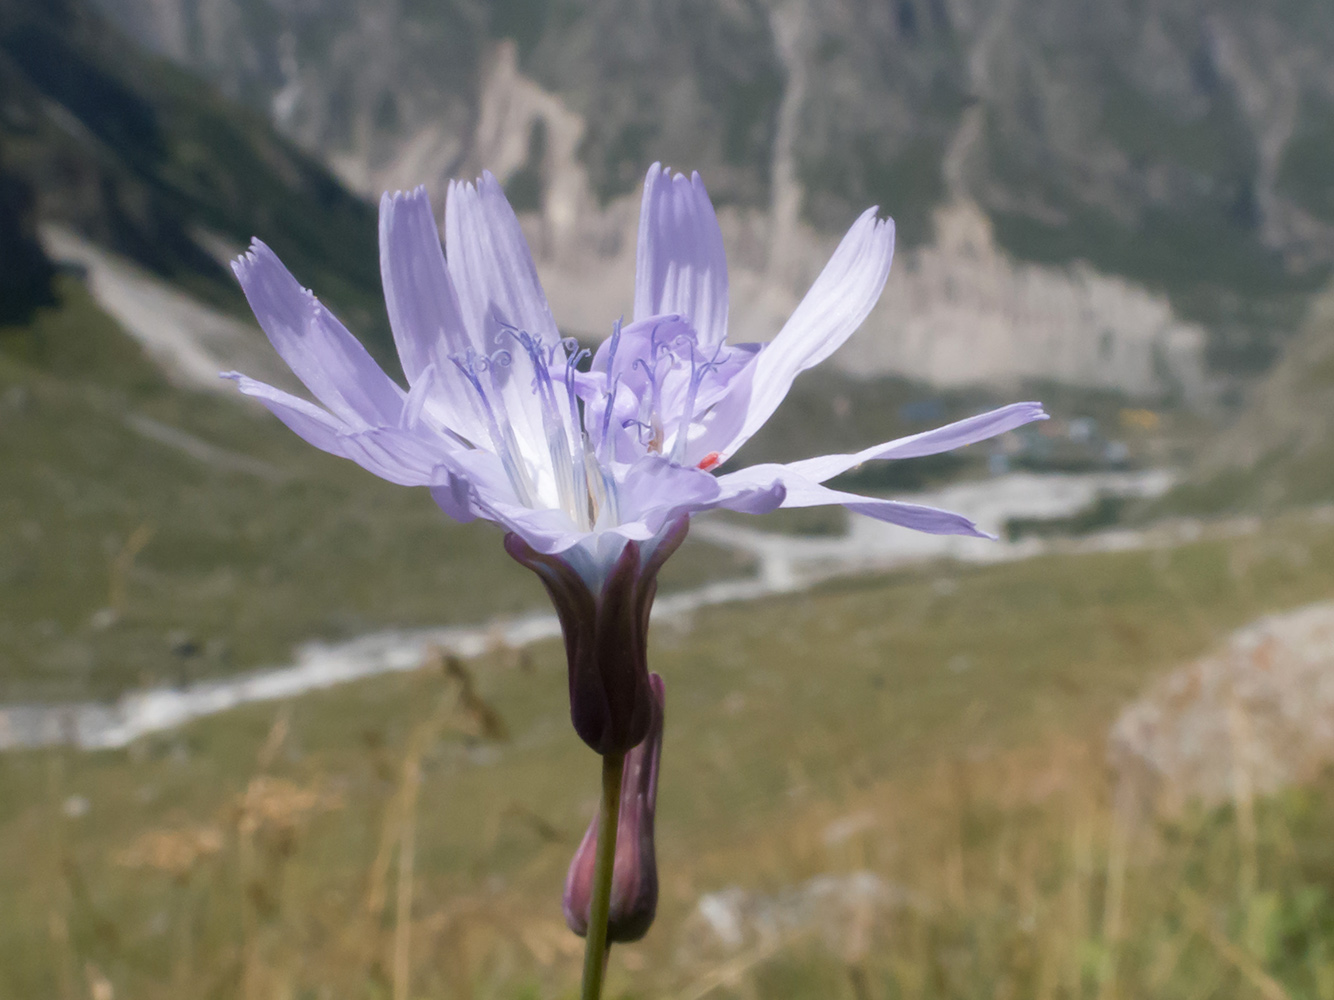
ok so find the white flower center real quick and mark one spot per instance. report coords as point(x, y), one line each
point(639, 398)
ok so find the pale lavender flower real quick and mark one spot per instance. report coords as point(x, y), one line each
point(593, 465)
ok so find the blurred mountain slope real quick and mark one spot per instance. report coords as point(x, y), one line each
point(1178, 143)
point(1280, 451)
point(147, 161)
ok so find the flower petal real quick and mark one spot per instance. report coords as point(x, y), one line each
point(488, 483)
point(548, 530)
point(841, 298)
point(329, 360)
point(454, 496)
point(680, 266)
point(492, 268)
point(424, 310)
point(423, 306)
point(497, 284)
point(802, 492)
point(753, 499)
point(956, 435)
point(312, 424)
point(653, 491)
point(396, 455)
point(386, 452)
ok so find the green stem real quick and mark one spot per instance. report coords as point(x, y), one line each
point(609, 814)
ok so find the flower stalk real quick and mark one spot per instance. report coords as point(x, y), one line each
point(596, 946)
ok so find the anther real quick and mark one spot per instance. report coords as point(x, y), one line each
point(643, 425)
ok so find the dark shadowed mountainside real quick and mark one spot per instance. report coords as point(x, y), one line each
point(147, 161)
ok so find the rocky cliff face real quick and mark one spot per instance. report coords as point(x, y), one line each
point(1176, 145)
point(961, 312)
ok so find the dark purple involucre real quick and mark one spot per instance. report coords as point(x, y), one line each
point(606, 637)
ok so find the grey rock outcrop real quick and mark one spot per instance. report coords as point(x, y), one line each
point(1249, 719)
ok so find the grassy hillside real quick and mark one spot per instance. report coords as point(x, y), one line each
point(939, 728)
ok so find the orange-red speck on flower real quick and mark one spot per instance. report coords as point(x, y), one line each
point(710, 461)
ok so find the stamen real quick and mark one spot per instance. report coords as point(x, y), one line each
point(608, 405)
point(648, 406)
point(698, 369)
point(583, 482)
point(472, 366)
point(613, 496)
point(597, 487)
point(567, 461)
point(579, 454)
point(613, 383)
point(656, 349)
point(614, 345)
point(571, 369)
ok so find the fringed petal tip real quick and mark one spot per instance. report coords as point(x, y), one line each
point(1032, 410)
point(398, 195)
point(873, 227)
point(964, 527)
point(659, 169)
point(254, 387)
point(256, 252)
point(484, 184)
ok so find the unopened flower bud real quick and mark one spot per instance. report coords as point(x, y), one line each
point(634, 880)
